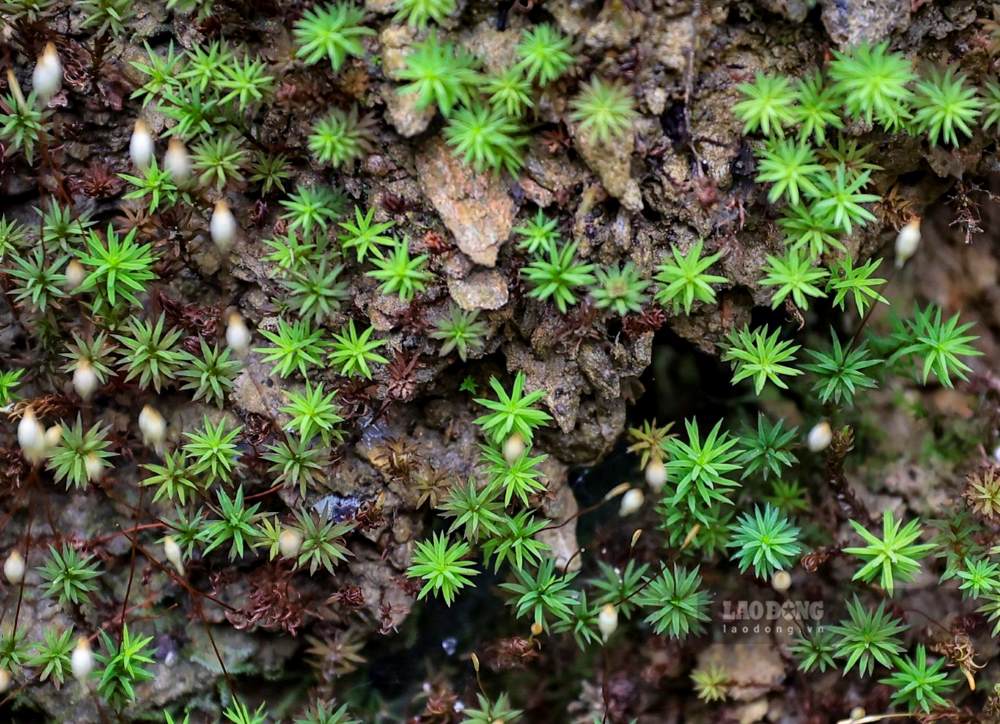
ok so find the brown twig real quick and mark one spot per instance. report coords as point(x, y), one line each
point(131, 572)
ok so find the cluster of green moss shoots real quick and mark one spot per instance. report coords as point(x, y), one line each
point(211, 95)
point(500, 516)
point(485, 112)
point(825, 202)
point(822, 179)
point(705, 474)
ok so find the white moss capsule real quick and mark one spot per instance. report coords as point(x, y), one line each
point(85, 380)
point(31, 437)
point(75, 274)
point(141, 146)
point(513, 448)
point(290, 543)
point(177, 160)
point(820, 436)
point(94, 467)
point(656, 474)
point(223, 226)
point(907, 241)
point(46, 80)
point(173, 553)
point(81, 663)
point(781, 581)
point(631, 502)
point(152, 426)
point(607, 620)
point(237, 334)
point(13, 568)
point(53, 436)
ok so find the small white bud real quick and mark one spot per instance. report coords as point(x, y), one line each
point(173, 553)
point(31, 437)
point(656, 474)
point(237, 334)
point(607, 620)
point(631, 501)
point(94, 467)
point(290, 543)
point(82, 661)
point(223, 226)
point(13, 568)
point(75, 274)
point(141, 147)
point(781, 581)
point(996, 453)
point(177, 160)
point(85, 380)
point(513, 448)
point(152, 426)
point(46, 80)
point(53, 436)
point(907, 241)
point(857, 713)
point(820, 436)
